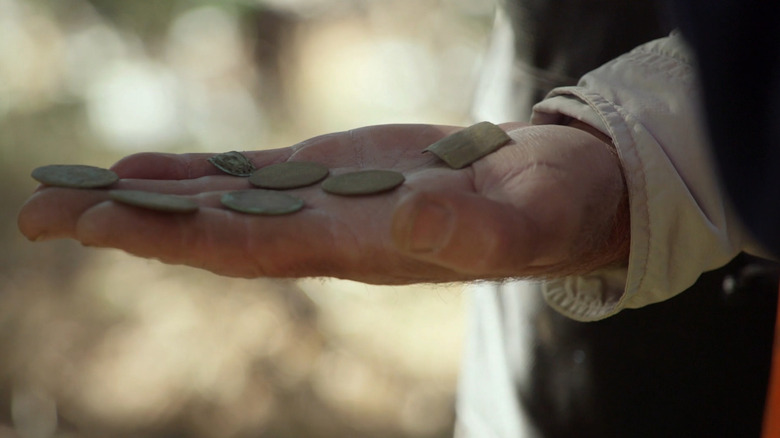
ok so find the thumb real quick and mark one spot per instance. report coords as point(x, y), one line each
point(466, 233)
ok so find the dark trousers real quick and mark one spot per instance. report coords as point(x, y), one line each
point(694, 366)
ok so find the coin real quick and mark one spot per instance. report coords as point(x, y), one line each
point(469, 145)
point(263, 202)
point(233, 163)
point(154, 201)
point(364, 182)
point(289, 175)
point(74, 176)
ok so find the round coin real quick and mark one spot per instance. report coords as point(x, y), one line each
point(263, 202)
point(233, 163)
point(289, 175)
point(74, 176)
point(154, 201)
point(364, 182)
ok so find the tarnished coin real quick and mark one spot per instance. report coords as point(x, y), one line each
point(264, 202)
point(74, 176)
point(233, 163)
point(364, 182)
point(289, 175)
point(469, 145)
point(154, 201)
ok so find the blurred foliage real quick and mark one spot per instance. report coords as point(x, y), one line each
point(96, 343)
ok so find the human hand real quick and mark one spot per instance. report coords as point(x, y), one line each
point(551, 202)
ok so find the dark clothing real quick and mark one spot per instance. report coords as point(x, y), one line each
point(564, 39)
point(737, 45)
point(694, 366)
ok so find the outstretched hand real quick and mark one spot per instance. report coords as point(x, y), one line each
point(551, 202)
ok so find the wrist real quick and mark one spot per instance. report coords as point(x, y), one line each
point(582, 126)
point(619, 240)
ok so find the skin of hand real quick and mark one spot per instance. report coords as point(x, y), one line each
point(552, 202)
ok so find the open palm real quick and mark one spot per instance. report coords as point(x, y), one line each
point(548, 203)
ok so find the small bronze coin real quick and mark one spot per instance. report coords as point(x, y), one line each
point(263, 202)
point(154, 201)
point(74, 176)
point(364, 182)
point(233, 163)
point(469, 145)
point(289, 175)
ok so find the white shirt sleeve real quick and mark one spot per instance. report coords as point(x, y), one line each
point(681, 226)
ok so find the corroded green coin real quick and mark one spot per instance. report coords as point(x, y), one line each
point(74, 176)
point(469, 145)
point(289, 175)
point(233, 163)
point(264, 202)
point(154, 201)
point(364, 182)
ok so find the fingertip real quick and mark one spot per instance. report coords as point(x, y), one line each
point(53, 212)
point(27, 224)
point(39, 218)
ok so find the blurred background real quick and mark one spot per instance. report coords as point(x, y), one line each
point(95, 343)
